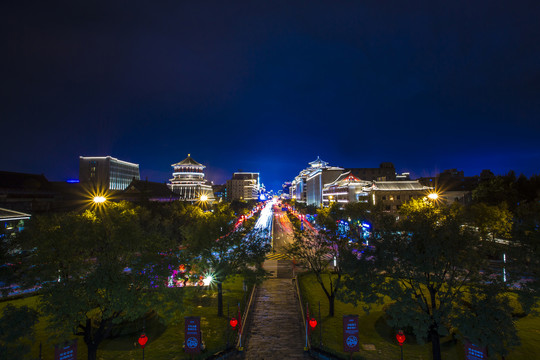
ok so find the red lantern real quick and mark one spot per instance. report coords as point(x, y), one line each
point(312, 323)
point(400, 337)
point(142, 340)
point(233, 323)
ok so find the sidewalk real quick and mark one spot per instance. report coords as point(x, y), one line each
point(275, 331)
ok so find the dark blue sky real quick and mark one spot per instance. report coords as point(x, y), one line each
point(268, 86)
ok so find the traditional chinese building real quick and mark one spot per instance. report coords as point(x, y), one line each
point(390, 195)
point(189, 183)
point(346, 188)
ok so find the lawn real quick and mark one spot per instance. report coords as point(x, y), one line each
point(165, 342)
point(378, 340)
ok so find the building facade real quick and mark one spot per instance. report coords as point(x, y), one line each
point(389, 195)
point(106, 172)
point(308, 184)
point(345, 189)
point(315, 182)
point(243, 186)
point(189, 183)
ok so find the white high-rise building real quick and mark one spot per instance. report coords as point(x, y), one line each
point(106, 172)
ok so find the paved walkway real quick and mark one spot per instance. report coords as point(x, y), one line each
point(276, 331)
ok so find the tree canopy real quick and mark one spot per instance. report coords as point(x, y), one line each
point(435, 266)
point(100, 268)
point(220, 249)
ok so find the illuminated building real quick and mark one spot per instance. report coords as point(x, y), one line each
point(390, 195)
point(346, 188)
point(316, 180)
point(106, 172)
point(188, 181)
point(243, 186)
point(307, 185)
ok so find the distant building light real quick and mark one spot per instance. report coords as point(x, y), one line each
point(72, 181)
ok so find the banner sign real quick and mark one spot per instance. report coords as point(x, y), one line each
point(351, 342)
point(192, 337)
point(66, 351)
point(474, 352)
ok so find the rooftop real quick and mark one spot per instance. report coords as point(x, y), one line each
point(188, 162)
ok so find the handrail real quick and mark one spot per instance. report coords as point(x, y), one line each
point(304, 322)
point(245, 319)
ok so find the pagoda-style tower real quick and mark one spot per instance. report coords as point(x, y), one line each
point(188, 181)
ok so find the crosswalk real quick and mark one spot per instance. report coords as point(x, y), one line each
point(277, 256)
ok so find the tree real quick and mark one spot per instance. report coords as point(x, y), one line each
point(16, 331)
point(98, 269)
point(491, 221)
point(223, 250)
point(436, 268)
point(323, 251)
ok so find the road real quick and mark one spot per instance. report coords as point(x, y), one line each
point(283, 231)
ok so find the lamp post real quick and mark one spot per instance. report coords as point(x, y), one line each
point(142, 341)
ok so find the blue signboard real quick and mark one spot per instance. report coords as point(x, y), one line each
point(351, 342)
point(474, 352)
point(192, 333)
point(66, 351)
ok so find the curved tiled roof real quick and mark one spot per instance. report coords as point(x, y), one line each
point(399, 185)
point(188, 161)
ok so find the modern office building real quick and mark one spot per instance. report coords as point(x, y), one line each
point(243, 186)
point(106, 172)
point(188, 181)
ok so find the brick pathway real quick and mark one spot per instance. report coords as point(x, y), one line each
point(276, 331)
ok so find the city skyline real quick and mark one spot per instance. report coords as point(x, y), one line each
point(268, 87)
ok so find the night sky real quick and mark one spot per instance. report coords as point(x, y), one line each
point(267, 86)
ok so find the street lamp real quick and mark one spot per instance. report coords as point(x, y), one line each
point(142, 342)
point(433, 196)
point(400, 336)
point(204, 197)
point(99, 199)
point(208, 279)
